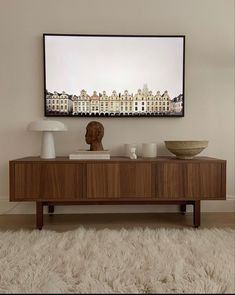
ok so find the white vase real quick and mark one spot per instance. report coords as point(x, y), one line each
point(149, 150)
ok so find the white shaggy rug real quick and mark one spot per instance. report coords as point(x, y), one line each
point(118, 261)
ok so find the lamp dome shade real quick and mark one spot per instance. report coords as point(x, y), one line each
point(47, 125)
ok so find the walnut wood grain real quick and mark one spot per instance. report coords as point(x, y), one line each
point(120, 159)
point(43, 181)
point(170, 181)
point(136, 180)
point(103, 180)
point(223, 179)
point(190, 181)
point(12, 180)
point(119, 178)
point(209, 181)
point(27, 179)
point(162, 180)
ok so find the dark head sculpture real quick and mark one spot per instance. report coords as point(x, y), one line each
point(94, 135)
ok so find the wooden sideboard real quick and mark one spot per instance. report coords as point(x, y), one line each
point(162, 180)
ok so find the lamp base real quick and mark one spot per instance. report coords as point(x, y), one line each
point(48, 147)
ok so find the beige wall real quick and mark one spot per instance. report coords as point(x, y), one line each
point(209, 29)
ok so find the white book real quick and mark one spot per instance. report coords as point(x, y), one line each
point(90, 155)
point(87, 152)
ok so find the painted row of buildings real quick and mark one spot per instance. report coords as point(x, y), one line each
point(144, 102)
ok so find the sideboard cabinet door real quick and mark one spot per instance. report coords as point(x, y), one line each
point(46, 181)
point(119, 180)
point(191, 180)
point(205, 181)
point(170, 181)
point(102, 180)
point(137, 180)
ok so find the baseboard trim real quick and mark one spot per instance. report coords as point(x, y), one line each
point(7, 207)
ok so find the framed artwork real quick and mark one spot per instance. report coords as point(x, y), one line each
point(113, 75)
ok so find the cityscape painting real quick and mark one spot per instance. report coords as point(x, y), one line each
point(114, 76)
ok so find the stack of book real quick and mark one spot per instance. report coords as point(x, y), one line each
point(90, 155)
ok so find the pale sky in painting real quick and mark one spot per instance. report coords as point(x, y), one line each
point(114, 63)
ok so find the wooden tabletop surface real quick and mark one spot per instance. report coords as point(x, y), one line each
point(120, 159)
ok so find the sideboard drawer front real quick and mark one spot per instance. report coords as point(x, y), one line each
point(103, 180)
point(42, 181)
point(136, 180)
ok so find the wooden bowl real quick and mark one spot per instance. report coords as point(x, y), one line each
point(186, 149)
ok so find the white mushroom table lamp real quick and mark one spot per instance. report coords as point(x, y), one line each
point(47, 127)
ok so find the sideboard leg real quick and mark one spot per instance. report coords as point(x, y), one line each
point(183, 209)
point(196, 213)
point(39, 215)
point(51, 209)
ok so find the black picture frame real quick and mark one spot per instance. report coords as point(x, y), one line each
point(182, 114)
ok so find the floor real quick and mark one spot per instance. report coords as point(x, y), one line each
point(62, 222)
